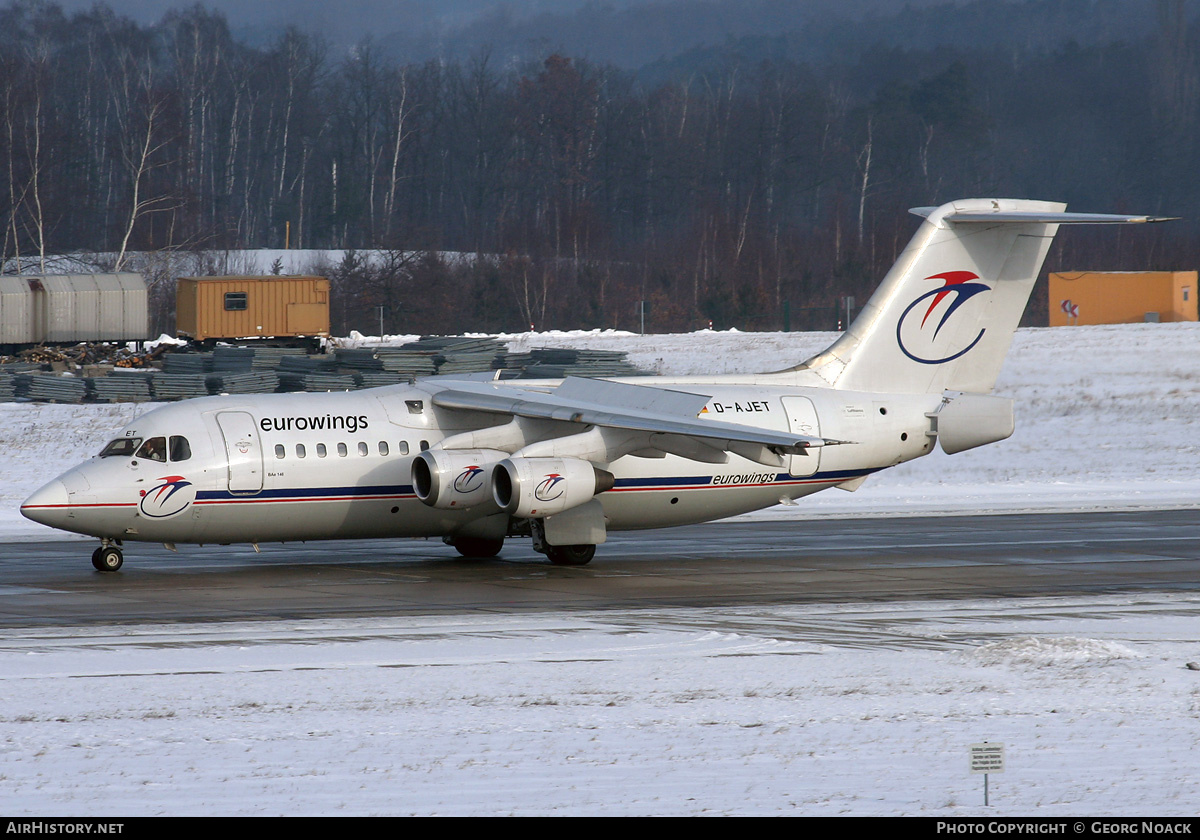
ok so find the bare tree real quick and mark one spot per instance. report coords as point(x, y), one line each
point(141, 118)
point(864, 168)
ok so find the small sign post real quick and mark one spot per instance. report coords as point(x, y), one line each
point(642, 308)
point(987, 758)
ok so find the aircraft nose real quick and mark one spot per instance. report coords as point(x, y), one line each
point(48, 505)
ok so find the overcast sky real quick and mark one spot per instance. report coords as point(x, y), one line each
point(349, 21)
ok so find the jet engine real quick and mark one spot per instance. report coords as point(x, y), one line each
point(454, 479)
point(531, 488)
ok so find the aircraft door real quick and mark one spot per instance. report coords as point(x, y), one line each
point(243, 450)
point(802, 419)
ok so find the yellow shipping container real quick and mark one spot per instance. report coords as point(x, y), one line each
point(1121, 297)
point(252, 307)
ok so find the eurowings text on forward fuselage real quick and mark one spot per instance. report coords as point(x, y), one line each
point(566, 461)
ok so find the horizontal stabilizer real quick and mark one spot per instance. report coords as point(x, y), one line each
point(1028, 217)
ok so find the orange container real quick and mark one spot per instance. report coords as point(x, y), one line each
point(1121, 297)
point(252, 307)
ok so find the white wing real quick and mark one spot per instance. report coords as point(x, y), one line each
point(616, 419)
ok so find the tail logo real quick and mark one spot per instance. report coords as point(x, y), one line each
point(916, 332)
point(166, 499)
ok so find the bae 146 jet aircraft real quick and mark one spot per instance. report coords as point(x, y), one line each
point(564, 462)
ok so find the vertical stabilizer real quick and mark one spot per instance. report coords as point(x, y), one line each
point(944, 316)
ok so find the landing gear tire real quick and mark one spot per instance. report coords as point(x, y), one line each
point(107, 558)
point(570, 555)
point(477, 547)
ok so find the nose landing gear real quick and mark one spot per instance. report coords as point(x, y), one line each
point(107, 558)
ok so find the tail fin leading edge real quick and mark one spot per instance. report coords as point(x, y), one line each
point(944, 316)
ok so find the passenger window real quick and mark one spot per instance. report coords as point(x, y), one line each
point(300, 453)
point(120, 448)
point(424, 445)
point(342, 450)
point(383, 447)
point(155, 449)
point(320, 450)
point(362, 448)
point(403, 447)
point(279, 450)
point(181, 450)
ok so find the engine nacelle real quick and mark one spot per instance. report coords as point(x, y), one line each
point(530, 488)
point(454, 479)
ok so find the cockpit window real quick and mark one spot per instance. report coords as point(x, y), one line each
point(154, 449)
point(120, 448)
point(181, 450)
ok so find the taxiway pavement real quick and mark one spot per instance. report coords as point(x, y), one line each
point(52, 583)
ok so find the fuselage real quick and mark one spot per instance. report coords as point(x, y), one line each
point(286, 467)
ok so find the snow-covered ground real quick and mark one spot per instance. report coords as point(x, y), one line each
point(843, 709)
point(856, 709)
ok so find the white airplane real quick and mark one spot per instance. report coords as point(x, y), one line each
point(564, 462)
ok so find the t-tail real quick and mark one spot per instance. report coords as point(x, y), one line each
point(944, 316)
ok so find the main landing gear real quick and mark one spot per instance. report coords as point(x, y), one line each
point(570, 555)
point(478, 547)
point(559, 555)
point(107, 558)
point(482, 548)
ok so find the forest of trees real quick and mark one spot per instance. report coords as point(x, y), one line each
point(721, 191)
